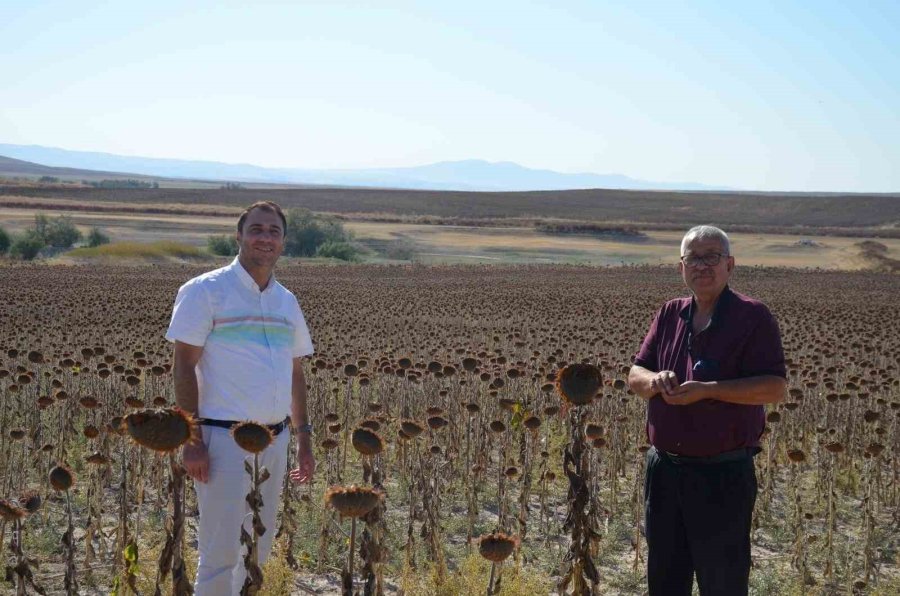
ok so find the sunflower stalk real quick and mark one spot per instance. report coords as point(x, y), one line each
point(352, 502)
point(68, 541)
point(578, 384)
point(372, 548)
point(254, 580)
point(22, 570)
point(171, 559)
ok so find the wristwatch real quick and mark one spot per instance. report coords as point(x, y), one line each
point(305, 428)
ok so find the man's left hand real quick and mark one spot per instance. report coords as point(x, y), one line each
point(689, 392)
point(306, 463)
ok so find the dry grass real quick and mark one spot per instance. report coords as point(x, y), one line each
point(523, 244)
point(450, 244)
point(162, 249)
point(471, 579)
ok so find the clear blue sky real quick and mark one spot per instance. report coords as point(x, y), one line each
point(755, 95)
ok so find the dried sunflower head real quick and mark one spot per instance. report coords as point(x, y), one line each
point(496, 547)
point(163, 430)
point(11, 511)
point(437, 422)
point(252, 436)
point(30, 501)
point(411, 428)
point(367, 441)
point(532, 422)
point(353, 501)
point(62, 478)
point(579, 383)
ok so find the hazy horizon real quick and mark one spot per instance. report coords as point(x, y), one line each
point(766, 96)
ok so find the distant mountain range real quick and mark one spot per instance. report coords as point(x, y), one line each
point(466, 175)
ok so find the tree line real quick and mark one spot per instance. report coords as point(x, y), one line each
point(308, 235)
point(51, 235)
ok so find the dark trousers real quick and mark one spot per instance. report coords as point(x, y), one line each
point(698, 521)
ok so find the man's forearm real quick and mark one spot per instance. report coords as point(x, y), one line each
point(187, 392)
point(751, 391)
point(299, 414)
point(640, 381)
point(186, 389)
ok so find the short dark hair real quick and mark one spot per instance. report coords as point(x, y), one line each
point(269, 206)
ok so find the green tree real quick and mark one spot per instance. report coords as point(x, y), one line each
point(337, 250)
point(41, 223)
point(306, 232)
point(96, 237)
point(5, 241)
point(224, 245)
point(27, 246)
point(59, 232)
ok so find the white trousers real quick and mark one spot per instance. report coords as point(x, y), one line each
point(223, 508)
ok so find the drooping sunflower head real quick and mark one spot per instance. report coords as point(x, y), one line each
point(353, 501)
point(252, 436)
point(497, 547)
point(61, 478)
point(579, 383)
point(367, 441)
point(162, 430)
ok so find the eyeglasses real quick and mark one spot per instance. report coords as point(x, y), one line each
point(710, 260)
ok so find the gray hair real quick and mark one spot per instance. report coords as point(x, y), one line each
point(706, 233)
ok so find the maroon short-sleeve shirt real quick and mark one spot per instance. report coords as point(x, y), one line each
point(741, 340)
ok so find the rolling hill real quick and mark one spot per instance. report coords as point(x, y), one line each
point(463, 175)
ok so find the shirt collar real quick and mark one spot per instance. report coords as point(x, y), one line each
point(247, 279)
point(687, 312)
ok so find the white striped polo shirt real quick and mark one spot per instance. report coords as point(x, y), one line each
point(249, 341)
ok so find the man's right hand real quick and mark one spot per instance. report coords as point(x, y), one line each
point(196, 461)
point(664, 382)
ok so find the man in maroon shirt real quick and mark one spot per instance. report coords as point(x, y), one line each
point(707, 367)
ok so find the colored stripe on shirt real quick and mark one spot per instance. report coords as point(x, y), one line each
point(261, 330)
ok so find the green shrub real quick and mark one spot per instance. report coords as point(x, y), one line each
point(224, 245)
point(337, 250)
point(5, 241)
point(27, 246)
point(400, 250)
point(306, 232)
point(58, 233)
point(96, 237)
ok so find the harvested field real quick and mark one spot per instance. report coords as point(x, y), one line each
point(475, 347)
point(779, 212)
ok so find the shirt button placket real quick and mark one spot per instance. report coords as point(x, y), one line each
point(274, 376)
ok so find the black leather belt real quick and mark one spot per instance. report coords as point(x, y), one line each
point(228, 424)
point(720, 458)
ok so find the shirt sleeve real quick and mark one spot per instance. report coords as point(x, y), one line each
point(763, 354)
point(192, 318)
point(647, 355)
point(303, 345)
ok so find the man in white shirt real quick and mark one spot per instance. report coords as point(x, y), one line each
point(240, 337)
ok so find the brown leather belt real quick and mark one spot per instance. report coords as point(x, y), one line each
point(229, 424)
